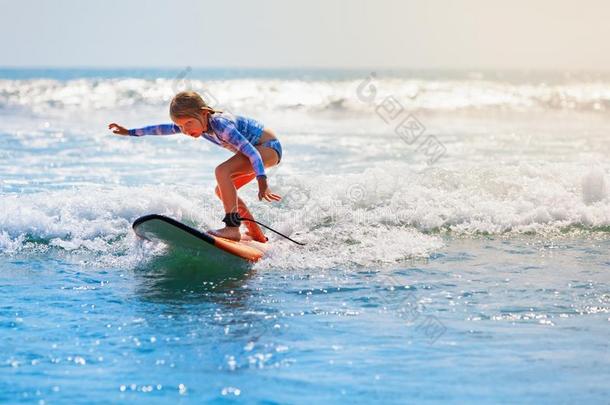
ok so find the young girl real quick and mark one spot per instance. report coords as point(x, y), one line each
point(255, 147)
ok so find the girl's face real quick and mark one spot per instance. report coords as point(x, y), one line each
point(192, 126)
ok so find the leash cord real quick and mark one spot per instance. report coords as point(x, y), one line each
point(273, 230)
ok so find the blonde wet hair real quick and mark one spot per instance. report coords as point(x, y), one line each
point(189, 104)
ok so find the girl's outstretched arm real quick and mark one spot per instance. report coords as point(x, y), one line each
point(163, 129)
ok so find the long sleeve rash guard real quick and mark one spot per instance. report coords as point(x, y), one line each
point(236, 133)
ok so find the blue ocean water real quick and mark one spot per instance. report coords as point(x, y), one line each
point(458, 230)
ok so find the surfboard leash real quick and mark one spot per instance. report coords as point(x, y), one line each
point(273, 230)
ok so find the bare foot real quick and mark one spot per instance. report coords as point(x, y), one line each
point(228, 232)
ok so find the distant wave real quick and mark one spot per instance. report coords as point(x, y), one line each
point(310, 96)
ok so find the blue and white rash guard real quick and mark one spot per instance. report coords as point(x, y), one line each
point(233, 132)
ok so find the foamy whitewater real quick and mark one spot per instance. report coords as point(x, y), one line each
point(486, 195)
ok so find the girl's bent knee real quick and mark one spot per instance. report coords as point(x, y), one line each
point(221, 171)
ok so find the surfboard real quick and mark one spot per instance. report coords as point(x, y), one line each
point(177, 235)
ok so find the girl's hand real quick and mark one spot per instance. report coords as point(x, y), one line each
point(264, 192)
point(117, 129)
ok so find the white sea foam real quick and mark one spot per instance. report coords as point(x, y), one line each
point(353, 189)
point(370, 218)
point(462, 200)
point(594, 186)
point(42, 95)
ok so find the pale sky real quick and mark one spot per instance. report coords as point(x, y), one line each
point(438, 34)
